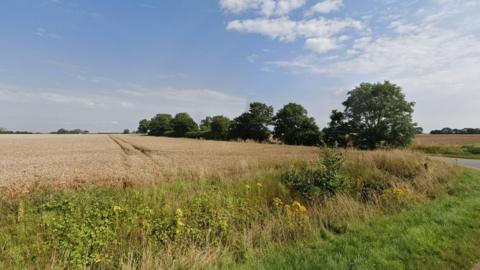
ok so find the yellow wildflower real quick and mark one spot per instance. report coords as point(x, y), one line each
point(277, 202)
point(297, 206)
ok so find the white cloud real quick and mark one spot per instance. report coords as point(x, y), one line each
point(321, 45)
point(266, 8)
point(435, 57)
point(326, 6)
point(320, 33)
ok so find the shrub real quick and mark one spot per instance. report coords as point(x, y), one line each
point(196, 134)
point(471, 149)
point(322, 181)
point(81, 230)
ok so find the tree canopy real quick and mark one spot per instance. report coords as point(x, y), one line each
point(219, 128)
point(293, 126)
point(205, 124)
point(143, 126)
point(338, 131)
point(183, 123)
point(160, 124)
point(377, 115)
point(253, 124)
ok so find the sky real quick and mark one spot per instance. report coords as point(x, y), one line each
point(104, 65)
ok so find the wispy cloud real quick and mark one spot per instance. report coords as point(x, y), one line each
point(142, 101)
point(434, 54)
point(265, 8)
point(42, 32)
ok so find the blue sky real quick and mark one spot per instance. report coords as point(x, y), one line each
point(103, 65)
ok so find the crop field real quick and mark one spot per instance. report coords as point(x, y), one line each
point(75, 161)
point(448, 139)
point(451, 145)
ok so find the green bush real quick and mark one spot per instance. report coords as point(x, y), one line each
point(196, 134)
point(169, 133)
point(81, 229)
point(471, 149)
point(321, 182)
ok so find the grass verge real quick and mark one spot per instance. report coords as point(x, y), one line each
point(468, 151)
point(443, 234)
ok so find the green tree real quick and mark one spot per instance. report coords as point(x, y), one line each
point(62, 131)
point(219, 128)
point(293, 126)
point(378, 115)
point(206, 123)
point(160, 124)
point(253, 124)
point(183, 123)
point(338, 130)
point(126, 131)
point(143, 126)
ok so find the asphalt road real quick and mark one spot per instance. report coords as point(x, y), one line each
point(468, 163)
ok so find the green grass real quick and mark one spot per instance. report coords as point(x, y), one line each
point(443, 234)
point(468, 151)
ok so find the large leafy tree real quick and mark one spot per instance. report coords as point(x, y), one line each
point(293, 126)
point(219, 127)
point(378, 116)
point(338, 131)
point(183, 123)
point(143, 126)
point(253, 124)
point(160, 124)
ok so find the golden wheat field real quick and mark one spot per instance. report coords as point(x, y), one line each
point(447, 139)
point(74, 161)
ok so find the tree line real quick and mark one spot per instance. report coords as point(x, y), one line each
point(292, 125)
point(70, 131)
point(374, 115)
point(6, 131)
point(456, 131)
